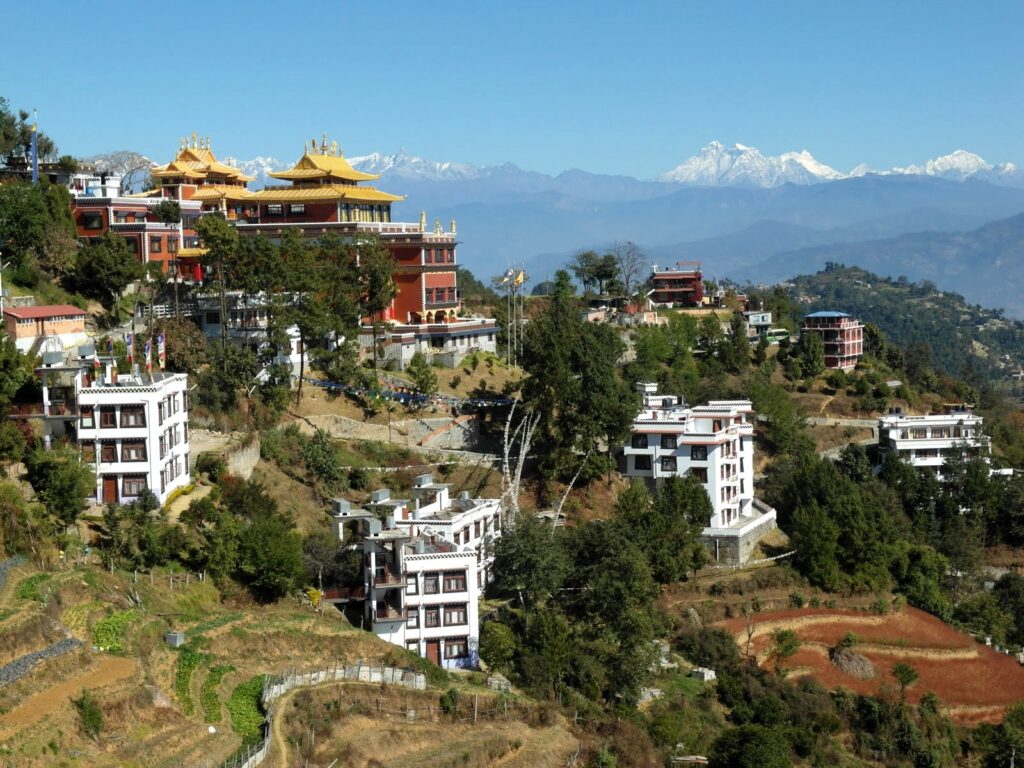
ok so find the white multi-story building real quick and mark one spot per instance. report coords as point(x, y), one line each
point(425, 565)
point(134, 430)
point(927, 441)
point(715, 443)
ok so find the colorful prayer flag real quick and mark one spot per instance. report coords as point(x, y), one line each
point(161, 351)
point(129, 341)
point(149, 355)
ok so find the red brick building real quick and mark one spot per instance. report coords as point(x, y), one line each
point(842, 335)
point(679, 286)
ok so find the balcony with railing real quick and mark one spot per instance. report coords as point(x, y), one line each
point(387, 614)
point(387, 578)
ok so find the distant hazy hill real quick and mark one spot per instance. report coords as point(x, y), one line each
point(983, 264)
point(907, 312)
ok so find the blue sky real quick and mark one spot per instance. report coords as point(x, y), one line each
point(630, 88)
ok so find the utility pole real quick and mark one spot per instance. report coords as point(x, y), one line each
point(2, 268)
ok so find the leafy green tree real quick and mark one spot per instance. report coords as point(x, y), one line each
point(811, 351)
point(853, 462)
point(785, 427)
point(90, 715)
point(584, 265)
point(529, 562)
point(498, 645)
point(270, 558)
point(58, 252)
point(750, 746)
point(761, 350)
point(815, 537)
point(668, 528)
point(376, 267)
point(547, 651)
point(735, 349)
point(220, 240)
point(186, 344)
point(321, 459)
point(423, 377)
point(905, 676)
point(24, 219)
point(573, 382)
point(785, 644)
point(12, 443)
point(61, 482)
point(15, 370)
point(105, 268)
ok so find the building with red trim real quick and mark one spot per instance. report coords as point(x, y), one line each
point(679, 286)
point(324, 194)
point(842, 335)
point(32, 327)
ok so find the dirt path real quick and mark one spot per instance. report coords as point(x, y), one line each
point(109, 669)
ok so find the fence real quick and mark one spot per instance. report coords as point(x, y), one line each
point(275, 686)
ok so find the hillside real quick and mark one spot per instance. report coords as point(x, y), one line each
point(982, 264)
point(957, 332)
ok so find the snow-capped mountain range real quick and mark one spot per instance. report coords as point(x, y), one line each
point(715, 165)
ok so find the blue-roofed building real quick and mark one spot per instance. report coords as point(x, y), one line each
point(842, 335)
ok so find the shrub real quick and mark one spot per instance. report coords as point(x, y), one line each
point(796, 600)
point(450, 702)
point(89, 714)
point(212, 465)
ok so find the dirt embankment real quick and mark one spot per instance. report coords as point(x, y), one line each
point(973, 682)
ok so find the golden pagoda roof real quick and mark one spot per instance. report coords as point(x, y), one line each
point(211, 192)
point(324, 192)
point(155, 192)
point(323, 162)
point(197, 161)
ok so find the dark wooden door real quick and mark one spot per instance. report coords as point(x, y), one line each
point(109, 490)
point(434, 651)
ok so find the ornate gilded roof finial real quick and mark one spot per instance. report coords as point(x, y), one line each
point(195, 140)
point(312, 146)
point(453, 226)
point(323, 146)
point(438, 229)
point(423, 221)
point(334, 148)
point(207, 142)
point(182, 143)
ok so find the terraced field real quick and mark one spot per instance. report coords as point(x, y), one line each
point(975, 683)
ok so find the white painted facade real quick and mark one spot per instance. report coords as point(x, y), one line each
point(425, 568)
point(715, 442)
point(133, 429)
point(926, 442)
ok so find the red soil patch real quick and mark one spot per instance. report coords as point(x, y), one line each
point(974, 683)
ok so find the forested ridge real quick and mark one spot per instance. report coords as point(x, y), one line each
point(965, 339)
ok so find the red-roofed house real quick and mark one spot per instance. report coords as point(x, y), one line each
point(31, 327)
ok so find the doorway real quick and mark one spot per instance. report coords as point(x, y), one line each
point(434, 651)
point(109, 489)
